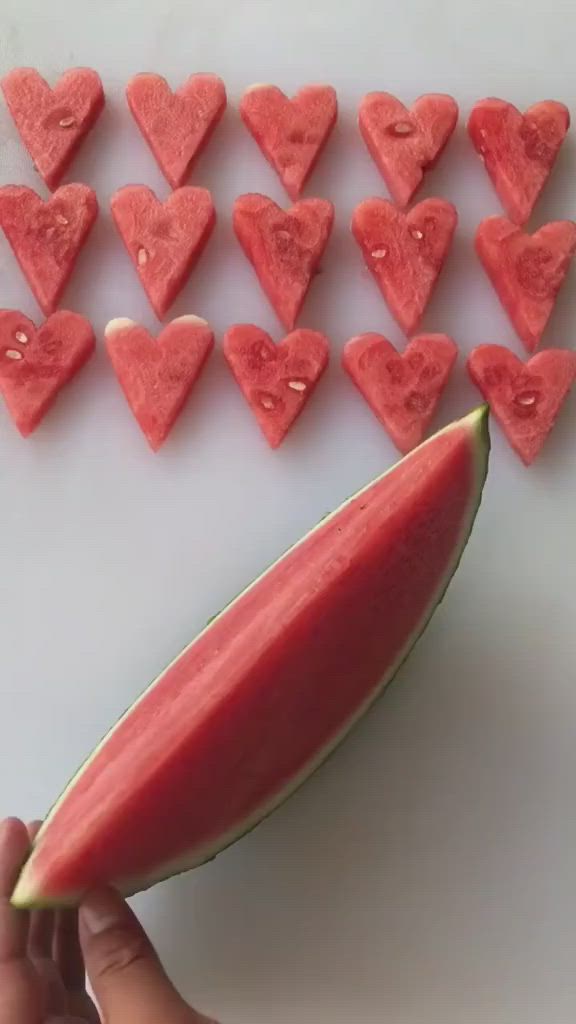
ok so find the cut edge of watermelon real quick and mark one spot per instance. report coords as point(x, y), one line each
point(28, 892)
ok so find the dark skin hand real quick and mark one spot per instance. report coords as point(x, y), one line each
point(44, 957)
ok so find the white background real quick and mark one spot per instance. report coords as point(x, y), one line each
point(427, 874)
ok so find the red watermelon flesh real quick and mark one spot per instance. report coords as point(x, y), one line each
point(252, 707)
point(518, 150)
point(525, 398)
point(276, 380)
point(164, 240)
point(404, 143)
point(405, 251)
point(157, 376)
point(284, 247)
point(46, 237)
point(53, 122)
point(290, 132)
point(527, 271)
point(35, 363)
point(403, 390)
point(176, 125)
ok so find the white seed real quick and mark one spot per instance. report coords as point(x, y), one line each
point(60, 219)
point(12, 353)
point(379, 254)
point(402, 128)
point(142, 257)
point(526, 399)
point(297, 385)
point(21, 337)
point(67, 122)
point(268, 403)
point(417, 234)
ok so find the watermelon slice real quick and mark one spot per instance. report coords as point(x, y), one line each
point(254, 705)
point(176, 125)
point(524, 397)
point(276, 380)
point(46, 237)
point(284, 247)
point(35, 363)
point(518, 150)
point(157, 376)
point(53, 122)
point(403, 390)
point(405, 143)
point(405, 251)
point(527, 271)
point(164, 240)
point(290, 132)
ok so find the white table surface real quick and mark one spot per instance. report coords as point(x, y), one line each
point(427, 874)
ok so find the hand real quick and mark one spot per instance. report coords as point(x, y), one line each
point(42, 958)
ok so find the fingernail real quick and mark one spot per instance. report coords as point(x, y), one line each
point(100, 911)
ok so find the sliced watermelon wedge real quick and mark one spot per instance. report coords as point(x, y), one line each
point(46, 237)
point(157, 376)
point(35, 363)
point(164, 240)
point(405, 251)
point(527, 271)
point(176, 125)
point(255, 704)
point(404, 143)
point(402, 389)
point(53, 122)
point(518, 150)
point(284, 247)
point(290, 132)
point(525, 398)
point(276, 380)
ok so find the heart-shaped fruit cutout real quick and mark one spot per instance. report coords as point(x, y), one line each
point(290, 132)
point(405, 251)
point(402, 389)
point(36, 362)
point(46, 237)
point(518, 150)
point(276, 380)
point(527, 271)
point(284, 247)
point(525, 398)
point(404, 143)
point(157, 375)
point(176, 125)
point(164, 240)
point(53, 122)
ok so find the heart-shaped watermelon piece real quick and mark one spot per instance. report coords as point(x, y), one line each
point(526, 397)
point(53, 122)
point(46, 237)
point(290, 132)
point(406, 142)
point(518, 150)
point(164, 240)
point(284, 247)
point(176, 125)
point(527, 271)
point(276, 380)
point(405, 251)
point(157, 375)
point(402, 389)
point(35, 363)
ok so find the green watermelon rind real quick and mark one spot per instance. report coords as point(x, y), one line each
point(24, 895)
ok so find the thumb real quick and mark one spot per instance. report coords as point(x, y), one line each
point(126, 975)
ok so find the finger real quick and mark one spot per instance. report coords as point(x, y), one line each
point(13, 923)
point(67, 952)
point(128, 980)
point(41, 921)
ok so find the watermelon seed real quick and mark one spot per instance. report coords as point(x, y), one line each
point(67, 122)
point(417, 234)
point(525, 403)
point(297, 385)
point(267, 402)
point(401, 128)
point(11, 353)
point(21, 337)
point(60, 219)
point(379, 254)
point(142, 257)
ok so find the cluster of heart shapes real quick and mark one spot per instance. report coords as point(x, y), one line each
point(404, 250)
